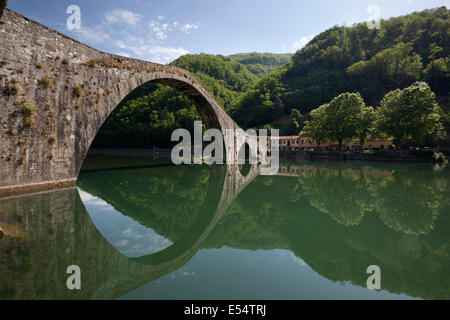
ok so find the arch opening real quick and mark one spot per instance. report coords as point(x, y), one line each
point(146, 117)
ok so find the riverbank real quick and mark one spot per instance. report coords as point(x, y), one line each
point(134, 152)
point(426, 156)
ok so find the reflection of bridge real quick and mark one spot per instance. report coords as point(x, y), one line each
point(47, 232)
point(57, 93)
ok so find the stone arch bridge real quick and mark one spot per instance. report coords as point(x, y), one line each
point(57, 92)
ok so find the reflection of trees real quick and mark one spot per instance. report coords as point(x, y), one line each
point(406, 199)
point(411, 263)
point(409, 202)
point(343, 194)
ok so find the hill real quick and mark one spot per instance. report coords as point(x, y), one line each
point(406, 49)
point(261, 64)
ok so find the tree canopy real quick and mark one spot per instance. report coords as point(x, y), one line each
point(411, 113)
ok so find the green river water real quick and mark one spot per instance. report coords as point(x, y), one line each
point(140, 228)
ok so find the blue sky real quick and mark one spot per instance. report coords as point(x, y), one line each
point(162, 30)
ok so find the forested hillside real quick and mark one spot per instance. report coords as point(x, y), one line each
point(355, 59)
point(415, 47)
point(262, 63)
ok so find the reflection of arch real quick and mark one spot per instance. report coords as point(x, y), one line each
point(110, 273)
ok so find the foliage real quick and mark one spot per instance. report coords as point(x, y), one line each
point(315, 128)
point(45, 82)
point(30, 114)
point(149, 120)
point(261, 64)
point(231, 74)
point(395, 67)
point(366, 124)
point(342, 117)
point(262, 103)
point(411, 113)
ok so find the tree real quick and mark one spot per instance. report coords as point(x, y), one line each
point(437, 74)
point(296, 122)
point(366, 124)
point(392, 68)
point(411, 113)
point(315, 129)
point(342, 117)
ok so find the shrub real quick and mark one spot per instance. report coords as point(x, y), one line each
point(46, 82)
point(91, 63)
point(15, 89)
point(439, 157)
point(77, 91)
point(29, 113)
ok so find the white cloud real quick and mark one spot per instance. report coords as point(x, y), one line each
point(154, 53)
point(188, 27)
point(159, 29)
point(90, 35)
point(165, 54)
point(123, 54)
point(122, 16)
point(300, 43)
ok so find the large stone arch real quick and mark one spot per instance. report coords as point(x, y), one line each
point(56, 94)
point(211, 113)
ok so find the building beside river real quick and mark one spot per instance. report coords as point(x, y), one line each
point(299, 143)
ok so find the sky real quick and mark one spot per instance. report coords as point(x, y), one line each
point(162, 30)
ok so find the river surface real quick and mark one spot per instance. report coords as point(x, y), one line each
point(140, 228)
